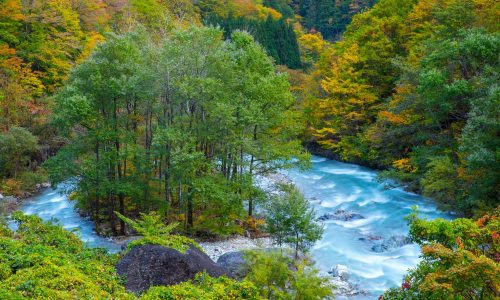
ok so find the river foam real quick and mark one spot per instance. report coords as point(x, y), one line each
point(335, 185)
point(331, 186)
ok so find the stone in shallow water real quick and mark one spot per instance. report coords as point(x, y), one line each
point(391, 243)
point(341, 215)
point(343, 286)
point(340, 271)
point(370, 238)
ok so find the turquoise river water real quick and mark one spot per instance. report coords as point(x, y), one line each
point(330, 185)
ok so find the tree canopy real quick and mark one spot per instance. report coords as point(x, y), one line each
point(181, 125)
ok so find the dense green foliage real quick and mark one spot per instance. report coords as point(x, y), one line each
point(276, 36)
point(205, 287)
point(155, 232)
point(291, 221)
point(181, 125)
point(44, 261)
point(273, 273)
point(143, 109)
point(460, 260)
point(330, 17)
point(16, 147)
point(40, 41)
point(413, 87)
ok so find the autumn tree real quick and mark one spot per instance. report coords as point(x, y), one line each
point(460, 260)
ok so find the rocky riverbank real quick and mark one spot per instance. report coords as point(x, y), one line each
point(215, 249)
point(9, 204)
point(339, 276)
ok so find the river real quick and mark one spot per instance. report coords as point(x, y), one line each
point(333, 185)
point(330, 185)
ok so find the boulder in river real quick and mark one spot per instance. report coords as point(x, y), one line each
point(391, 243)
point(341, 215)
point(149, 265)
point(340, 271)
point(9, 204)
point(343, 286)
point(370, 238)
point(234, 263)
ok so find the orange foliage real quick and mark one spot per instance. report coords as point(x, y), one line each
point(11, 9)
point(393, 118)
point(19, 87)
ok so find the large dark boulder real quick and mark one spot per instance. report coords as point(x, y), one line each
point(234, 263)
point(341, 215)
point(149, 265)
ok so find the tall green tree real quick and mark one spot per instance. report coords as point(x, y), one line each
point(181, 125)
point(291, 221)
point(16, 149)
point(276, 36)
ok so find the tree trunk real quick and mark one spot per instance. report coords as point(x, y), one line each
point(190, 209)
point(97, 188)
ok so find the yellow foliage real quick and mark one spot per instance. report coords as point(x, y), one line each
point(73, 196)
point(488, 12)
point(254, 224)
point(92, 40)
point(245, 8)
point(349, 99)
point(311, 46)
point(180, 217)
point(393, 118)
point(249, 8)
point(313, 42)
point(404, 164)
point(264, 12)
point(18, 88)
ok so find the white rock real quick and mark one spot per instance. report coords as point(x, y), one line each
point(215, 249)
point(1, 197)
point(45, 185)
point(345, 288)
point(340, 271)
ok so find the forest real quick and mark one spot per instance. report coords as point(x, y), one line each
point(162, 118)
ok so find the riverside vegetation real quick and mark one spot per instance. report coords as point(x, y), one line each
point(147, 107)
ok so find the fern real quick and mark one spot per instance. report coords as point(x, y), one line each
point(155, 232)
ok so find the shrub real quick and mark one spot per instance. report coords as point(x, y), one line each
point(155, 232)
point(206, 288)
point(44, 261)
point(279, 277)
point(30, 179)
point(460, 260)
